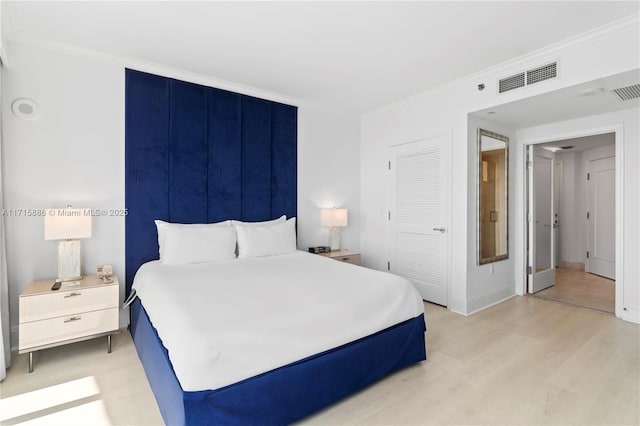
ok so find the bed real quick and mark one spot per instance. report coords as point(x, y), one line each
point(307, 332)
point(197, 155)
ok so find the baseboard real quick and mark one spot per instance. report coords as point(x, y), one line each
point(459, 306)
point(487, 300)
point(573, 266)
point(629, 316)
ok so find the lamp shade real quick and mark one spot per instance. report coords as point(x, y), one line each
point(67, 224)
point(333, 217)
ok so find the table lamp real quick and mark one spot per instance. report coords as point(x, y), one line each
point(68, 225)
point(334, 219)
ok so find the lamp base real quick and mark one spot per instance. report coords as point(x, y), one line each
point(334, 238)
point(69, 260)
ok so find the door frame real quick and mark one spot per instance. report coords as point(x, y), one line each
point(521, 208)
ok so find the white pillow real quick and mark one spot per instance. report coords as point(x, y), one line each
point(198, 244)
point(266, 240)
point(163, 226)
point(281, 219)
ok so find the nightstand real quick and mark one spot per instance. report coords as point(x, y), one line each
point(80, 310)
point(344, 256)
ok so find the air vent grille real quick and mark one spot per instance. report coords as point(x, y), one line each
point(525, 78)
point(510, 83)
point(628, 93)
point(542, 73)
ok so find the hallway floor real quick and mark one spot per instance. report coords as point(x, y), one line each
point(582, 289)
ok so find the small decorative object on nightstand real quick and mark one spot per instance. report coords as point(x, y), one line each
point(77, 310)
point(344, 256)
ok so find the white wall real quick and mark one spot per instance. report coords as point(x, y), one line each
point(328, 175)
point(628, 157)
point(74, 153)
point(569, 217)
point(444, 111)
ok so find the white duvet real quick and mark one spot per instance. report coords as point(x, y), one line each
point(223, 322)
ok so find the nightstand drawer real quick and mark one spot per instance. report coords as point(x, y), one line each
point(67, 302)
point(354, 259)
point(44, 332)
point(345, 256)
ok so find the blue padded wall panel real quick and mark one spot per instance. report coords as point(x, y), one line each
point(197, 154)
point(256, 159)
point(188, 158)
point(146, 165)
point(225, 156)
point(284, 176)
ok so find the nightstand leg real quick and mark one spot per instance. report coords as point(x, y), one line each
point(30, 362)
point(109, 343)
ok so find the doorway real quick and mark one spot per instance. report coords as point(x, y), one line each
point(571, 221)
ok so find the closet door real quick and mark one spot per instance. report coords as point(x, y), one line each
point(418, 216)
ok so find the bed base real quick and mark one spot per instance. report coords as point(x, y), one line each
point(285, 394)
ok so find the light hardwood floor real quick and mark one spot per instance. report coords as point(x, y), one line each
point(582, 289)
point(523, 361)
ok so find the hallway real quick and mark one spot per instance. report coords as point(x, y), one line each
point(582, 289)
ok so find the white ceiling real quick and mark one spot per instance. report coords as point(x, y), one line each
point(352, 56)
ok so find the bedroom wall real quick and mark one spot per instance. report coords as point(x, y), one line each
point(444, 110)
point(329, 173)
point(74, 153)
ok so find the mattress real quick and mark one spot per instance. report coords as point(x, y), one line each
point(224, 322)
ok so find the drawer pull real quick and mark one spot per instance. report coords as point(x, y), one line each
point(72, 295)
point(345, 259)
point(72, 319)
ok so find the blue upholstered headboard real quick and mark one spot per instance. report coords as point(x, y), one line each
point(196, 154)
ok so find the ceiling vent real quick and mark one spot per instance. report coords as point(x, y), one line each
point(628, 93)
point(525, 78)
point(542, 73)
point(510, 83)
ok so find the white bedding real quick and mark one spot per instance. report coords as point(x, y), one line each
point(226, 321)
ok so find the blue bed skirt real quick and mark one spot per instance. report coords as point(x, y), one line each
point(285, 394)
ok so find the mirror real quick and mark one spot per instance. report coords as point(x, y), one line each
point(493, 185)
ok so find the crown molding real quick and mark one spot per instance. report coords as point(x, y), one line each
point(154, 68)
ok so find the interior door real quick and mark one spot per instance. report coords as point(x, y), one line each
point(542, 273)
point(601, 189)
point(418, 215)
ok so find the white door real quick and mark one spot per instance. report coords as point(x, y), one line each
point(601, 190)
point(541, 236)
point(419, 199)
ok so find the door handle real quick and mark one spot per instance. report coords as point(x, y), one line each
point(441, 229)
